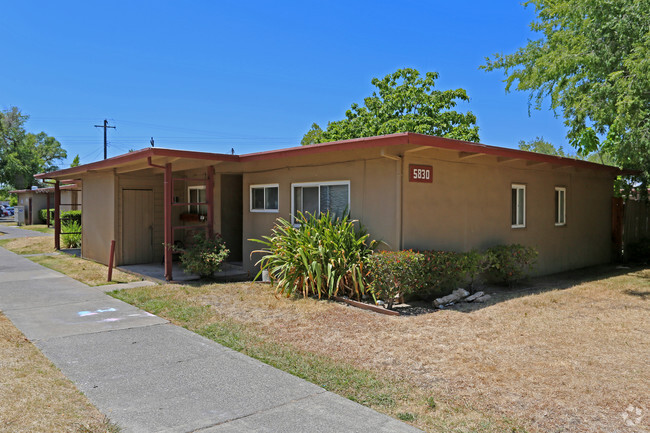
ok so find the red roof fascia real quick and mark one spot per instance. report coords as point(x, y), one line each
point(357, 143)
point(466, 146)
point(136, 155)
point(42, 190)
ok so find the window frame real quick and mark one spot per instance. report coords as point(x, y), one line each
point(517, 187)
point(318, 184)
point(562, 222)
point(265, 187)
point(198, 206)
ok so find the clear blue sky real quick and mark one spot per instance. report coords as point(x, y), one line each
point(211, 76)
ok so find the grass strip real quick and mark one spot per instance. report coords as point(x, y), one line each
point(86, 271)
point(394, 397)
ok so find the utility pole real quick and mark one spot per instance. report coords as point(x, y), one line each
point(105, 126)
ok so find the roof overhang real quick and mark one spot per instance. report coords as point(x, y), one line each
point(157, 157)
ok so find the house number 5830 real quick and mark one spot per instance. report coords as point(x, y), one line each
point(420, 173)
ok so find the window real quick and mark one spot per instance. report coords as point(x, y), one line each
point(196, 194)
point(560, 206)
point(316, 198)
point(264, 198)
point(518, 206)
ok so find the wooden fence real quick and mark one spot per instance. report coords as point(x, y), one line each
point(636, 221)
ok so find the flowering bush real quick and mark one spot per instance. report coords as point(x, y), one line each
point(509, 263)
point(443, 271)
point(395, 273)
point(204, 256)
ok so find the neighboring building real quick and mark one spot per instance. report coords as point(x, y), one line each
point(36, 199)
point(408, 190)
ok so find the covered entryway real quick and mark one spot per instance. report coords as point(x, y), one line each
point(137, 223)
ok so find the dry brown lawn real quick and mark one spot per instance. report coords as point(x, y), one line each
point(557, 356)
point(35, 396)
point(86, 271)
point(35, 245)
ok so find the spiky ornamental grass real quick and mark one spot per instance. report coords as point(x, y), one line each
point(323, 256)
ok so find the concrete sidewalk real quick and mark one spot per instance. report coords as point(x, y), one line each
point(148, 375)
point(12, 232)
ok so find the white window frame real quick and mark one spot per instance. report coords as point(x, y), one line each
point(560, 216)
point(265, 186)
point(517, 187)
point(189, 199)
point(318, 184)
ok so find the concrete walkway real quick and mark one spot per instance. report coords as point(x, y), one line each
point(12, 232)
point(148, 375)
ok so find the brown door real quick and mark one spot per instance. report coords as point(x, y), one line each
point(137, 226)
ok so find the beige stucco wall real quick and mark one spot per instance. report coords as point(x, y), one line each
point(373, 195)
point(98, 219)
point(468, 205)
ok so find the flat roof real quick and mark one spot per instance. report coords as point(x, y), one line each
point(156, 154)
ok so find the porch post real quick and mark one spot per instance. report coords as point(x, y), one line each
point(47, 214)
point(57, 215)
point(209, 192)
point(169, 233)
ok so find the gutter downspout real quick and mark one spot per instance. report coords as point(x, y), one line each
point(399, 190)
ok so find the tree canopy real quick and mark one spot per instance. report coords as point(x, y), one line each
point(23, 154)
point(591, 62)
point(404, 102)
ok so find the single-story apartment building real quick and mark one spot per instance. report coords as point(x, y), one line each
point(408, 190)
point(36, 199)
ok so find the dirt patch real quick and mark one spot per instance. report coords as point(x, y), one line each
point(564, 353)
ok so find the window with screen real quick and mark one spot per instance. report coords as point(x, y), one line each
point(264, 198)
point(315, 198)
point(518, 206)
point(560, 206)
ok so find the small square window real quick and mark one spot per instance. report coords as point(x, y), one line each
point(560, 206)
point(196, 195)
point(264, 198)
point(518, 216)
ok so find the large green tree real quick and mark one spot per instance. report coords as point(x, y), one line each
point(23, 154)
point(404, 102)
point(591, 63)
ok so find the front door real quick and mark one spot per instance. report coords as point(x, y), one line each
point(137, 226)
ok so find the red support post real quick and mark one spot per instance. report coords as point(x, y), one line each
point(209, 192)
point(47, 214)
point(110, 261)
point(57, 215)
point(169, 233)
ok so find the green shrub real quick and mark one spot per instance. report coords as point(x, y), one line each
point(323, 256)
point(71, 240)
point(43, 215)
point(443, 272)
point(639, 251)
point(509, 263)
point(473, 265)
point(70, 216)
point(204, 255)
point(395, 273)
